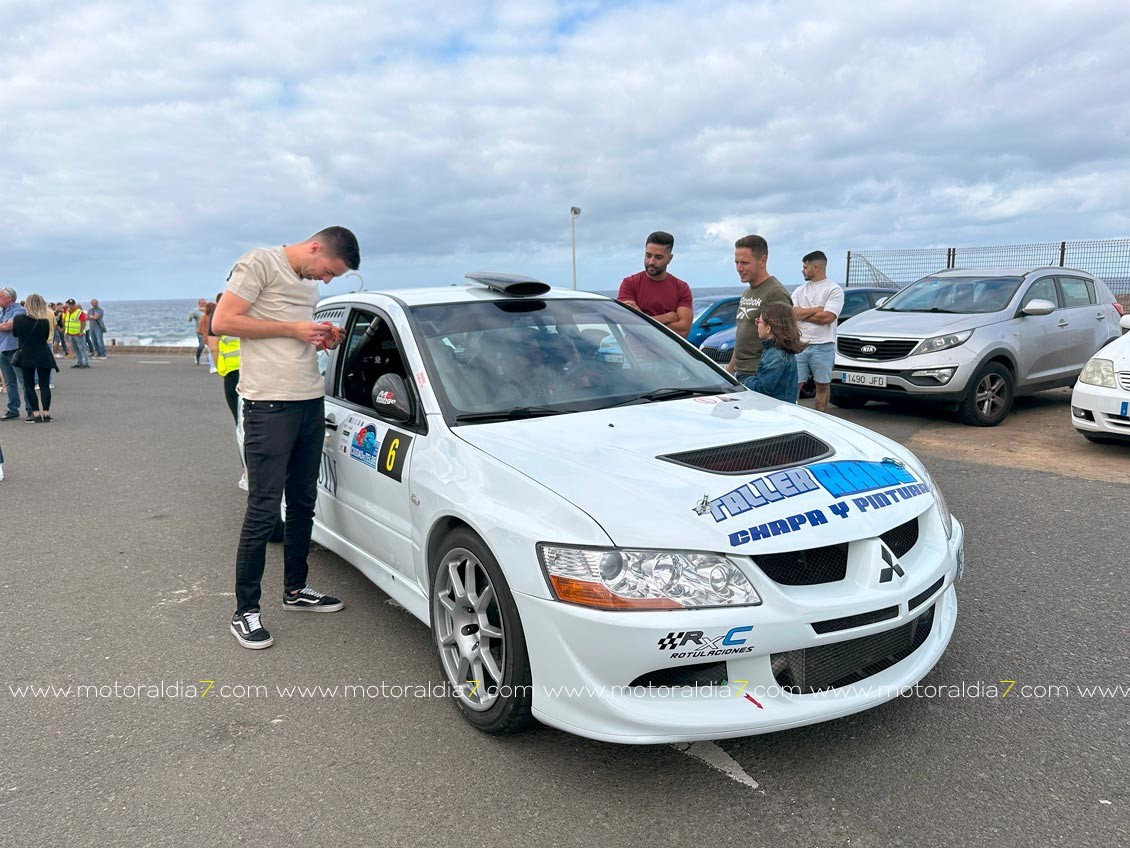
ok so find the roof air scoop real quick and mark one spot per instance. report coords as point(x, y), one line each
point(509, 284)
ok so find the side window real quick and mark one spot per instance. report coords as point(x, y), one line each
point(335, 317)
point(365, 359)
point(726, 312)
point(854, 303)
point(1076, 292)
point(1042, 289)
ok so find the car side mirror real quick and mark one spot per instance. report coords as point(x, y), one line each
point(712, 322)
point(1039, 307)
point(881, 301)
point(392, 400)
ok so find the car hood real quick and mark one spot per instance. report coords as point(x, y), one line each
point(1118, 351)
point(916, 325)
point(609, 464)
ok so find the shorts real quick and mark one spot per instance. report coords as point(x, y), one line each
point(817, 360)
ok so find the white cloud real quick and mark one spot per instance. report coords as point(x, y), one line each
point(156, 140)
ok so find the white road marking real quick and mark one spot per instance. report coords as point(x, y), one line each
point(716, 758)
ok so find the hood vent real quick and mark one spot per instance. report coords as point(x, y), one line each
point(755, 457)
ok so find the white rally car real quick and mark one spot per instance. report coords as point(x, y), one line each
point(636, 550)
point(1100, 401)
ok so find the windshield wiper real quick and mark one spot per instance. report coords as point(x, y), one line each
point(668, 394)
point(512, 414)
point(931, 309)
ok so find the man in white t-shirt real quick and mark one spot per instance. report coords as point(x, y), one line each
point(817, 306)
point(269, 304)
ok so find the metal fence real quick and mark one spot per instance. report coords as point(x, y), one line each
point(1108, 259)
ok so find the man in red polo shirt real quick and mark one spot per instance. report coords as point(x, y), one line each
point(654, 292)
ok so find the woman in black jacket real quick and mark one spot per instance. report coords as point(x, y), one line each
point(36, 359)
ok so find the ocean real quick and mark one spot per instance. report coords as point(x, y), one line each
point(165, 322)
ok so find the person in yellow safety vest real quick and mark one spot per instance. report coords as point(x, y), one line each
point(225, 353)
point(74, 325)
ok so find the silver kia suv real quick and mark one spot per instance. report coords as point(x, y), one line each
point(976, 339)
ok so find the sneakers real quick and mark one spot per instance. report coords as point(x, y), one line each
point(9, 416)
point(243, 481)
point(249, 631)
point(1, 471)
point(307, 600)
point(30, 418)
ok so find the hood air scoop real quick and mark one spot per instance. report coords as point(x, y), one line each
point(754, 457)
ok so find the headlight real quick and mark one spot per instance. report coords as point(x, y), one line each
point(617, 579)
point(941, 342)
point(943, 507)
point(1098, 372)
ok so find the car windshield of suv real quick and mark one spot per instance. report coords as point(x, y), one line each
point(499, 360)
point(962, 295)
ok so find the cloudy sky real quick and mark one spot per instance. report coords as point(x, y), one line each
point(145, 145)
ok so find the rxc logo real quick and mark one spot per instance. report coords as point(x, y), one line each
point(674, 641)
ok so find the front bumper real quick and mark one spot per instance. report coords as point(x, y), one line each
point(1104, 412)
point(584, 661)
point(901, 380)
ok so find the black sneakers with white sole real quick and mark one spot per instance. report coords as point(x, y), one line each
point(249, 631)
point(307, 600)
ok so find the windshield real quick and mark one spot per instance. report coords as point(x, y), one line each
point(520, 358)
point(703, 304)
point(963, 295)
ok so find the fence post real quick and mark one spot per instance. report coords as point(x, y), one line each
point(847, 271)
point(1062, 252)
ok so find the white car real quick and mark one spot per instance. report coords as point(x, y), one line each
point(634, 551)
point(1100, 401)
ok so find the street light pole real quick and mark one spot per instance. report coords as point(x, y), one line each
point(574, 211)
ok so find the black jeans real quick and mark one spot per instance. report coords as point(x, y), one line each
point(231, 383)
point(44, 387)
point(282, 445)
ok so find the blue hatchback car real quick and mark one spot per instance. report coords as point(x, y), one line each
point(712, 315)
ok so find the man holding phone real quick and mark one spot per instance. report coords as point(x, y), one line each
point(269, 304)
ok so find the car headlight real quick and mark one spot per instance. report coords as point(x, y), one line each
point(941, 342)
point(1098, 372)
point(943, 507)
point(618, 579)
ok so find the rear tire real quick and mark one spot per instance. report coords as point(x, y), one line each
point(989, 398)
point(478, 636)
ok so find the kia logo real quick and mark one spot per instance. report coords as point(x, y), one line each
point(869, 349)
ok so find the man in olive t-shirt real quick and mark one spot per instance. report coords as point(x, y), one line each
point(269, 304)
point(751, 255)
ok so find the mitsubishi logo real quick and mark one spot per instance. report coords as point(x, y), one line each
point(869, 350)
point(892, 568)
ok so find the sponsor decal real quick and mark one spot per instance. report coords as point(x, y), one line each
point(363, 446)
point(385, 398)
point(421, 379)
point(686, 644)
point(327, 473)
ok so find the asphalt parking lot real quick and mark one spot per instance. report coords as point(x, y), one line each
point(119, 523)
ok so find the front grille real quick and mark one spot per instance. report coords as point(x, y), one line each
point(902, 538)
point(717, 354)
point(806, 568)
point(1124, 380)
point(922, 597)
point(699, 674)
point(844, 663)
point(884, 348)
point(849, 621)
point(755, 457)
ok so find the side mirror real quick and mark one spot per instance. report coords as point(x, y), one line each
point(1039, 307)
point(711, 322)
point(392, 400)
point(1124, 321)
point(881, 301)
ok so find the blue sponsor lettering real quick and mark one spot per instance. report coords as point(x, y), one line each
point(761, 491)
point(730, 640)
point(839, 508)
point(852, 477)
point(812, 518)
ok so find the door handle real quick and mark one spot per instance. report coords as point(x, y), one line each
point(1100, 316)
point(331, 422)
point(1062, 323)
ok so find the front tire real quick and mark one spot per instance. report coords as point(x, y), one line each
point(990, 396)
point(479, 638)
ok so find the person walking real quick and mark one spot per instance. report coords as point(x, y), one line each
point(225, 353)
point(60, 345)
point(269, 304)
point(780, 343)
point(96, 326)
point(194, 318)
point(818, 304)
point(9, 310)
point(33, 330)
point(74, 323)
